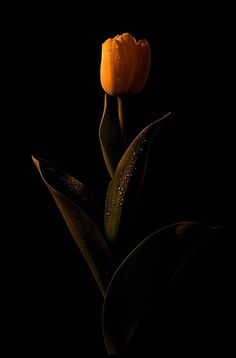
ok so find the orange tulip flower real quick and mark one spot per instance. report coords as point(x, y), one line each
point(125, 65)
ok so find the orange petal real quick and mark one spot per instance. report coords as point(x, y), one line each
point(143, 66)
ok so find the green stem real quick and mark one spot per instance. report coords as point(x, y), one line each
point(121, 119)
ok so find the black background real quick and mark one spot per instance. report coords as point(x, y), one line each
point(61, 103)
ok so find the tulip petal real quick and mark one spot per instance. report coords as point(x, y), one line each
point(127, 181)
point(140, 282)
point(76, 206)
point(105, 68)
point(143, 66)
point(125, 60)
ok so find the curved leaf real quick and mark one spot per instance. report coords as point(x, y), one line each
point(110, 135)
point(76, 204)
point(71, 188)
point(151, 267)
point(124, 187)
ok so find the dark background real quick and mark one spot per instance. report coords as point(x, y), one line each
point(61, 105)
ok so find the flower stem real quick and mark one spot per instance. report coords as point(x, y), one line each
point(121, 119)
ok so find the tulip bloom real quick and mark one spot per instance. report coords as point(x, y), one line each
point(125, 65)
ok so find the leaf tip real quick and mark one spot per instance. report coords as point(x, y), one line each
point(35, 161)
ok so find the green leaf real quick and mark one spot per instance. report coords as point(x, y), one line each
point(125, 185)
point(77, 208)
point(149, 268)
point(110, 136)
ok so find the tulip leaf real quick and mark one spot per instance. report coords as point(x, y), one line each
point(127, 181)
point(78, 210)
point(143, 277)
point(110, 135)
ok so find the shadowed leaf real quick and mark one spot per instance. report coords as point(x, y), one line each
point(145, 274)
point(72, 188)
point(110, 135)
point(77, 208)
point(127, 181)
